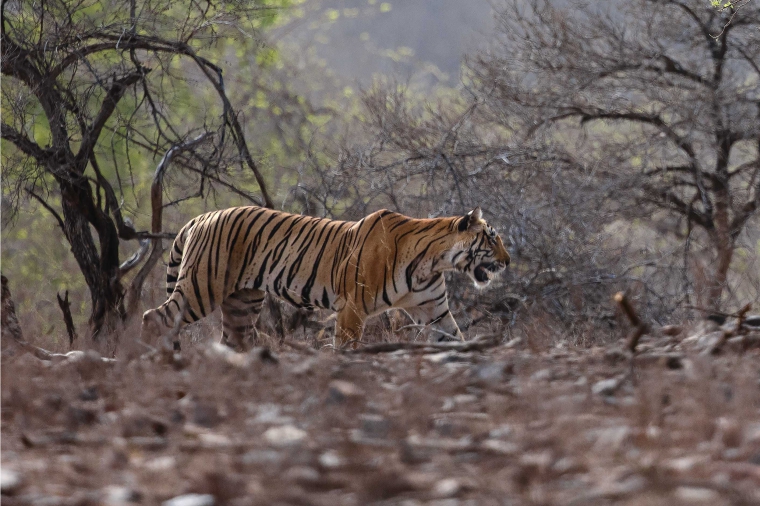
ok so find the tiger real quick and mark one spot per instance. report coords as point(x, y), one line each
point(233, 257)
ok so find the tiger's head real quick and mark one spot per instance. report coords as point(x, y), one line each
point(483, 255)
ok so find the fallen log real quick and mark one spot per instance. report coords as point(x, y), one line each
point(478, 344)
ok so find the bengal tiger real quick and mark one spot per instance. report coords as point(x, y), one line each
point(358, 269)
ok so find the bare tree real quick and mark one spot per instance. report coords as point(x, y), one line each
point(441, 157)
point(90, 91)
point(657, 99)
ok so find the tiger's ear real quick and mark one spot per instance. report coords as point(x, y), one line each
point(472, 221)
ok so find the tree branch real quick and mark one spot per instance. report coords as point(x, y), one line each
point(23, 143)
point(16, 63)
point(232, 120)
point(668, 200)
point(107, 108)
point(50, 209)
point(125, 231)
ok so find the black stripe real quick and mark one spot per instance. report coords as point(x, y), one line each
point(239, 312)
point(325, 299)
point(386, 299)
point(197, 291)
point(232, 238)
point(251, 250)
point(430, 283)
point(434, 299)
point(439, 318)
point(306, 291)
point(400, 223)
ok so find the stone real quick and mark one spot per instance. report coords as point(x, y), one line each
point(118, 496)
point(305, 367)
point(693, 495)
point(500, 447)
point(448, 487)
point(223, 352)
point(10, 481)
point(542, 375)
point(191, 500)
point(374, 426)
point(331, 460)
point(752, 433)
point(261, 457)
point(285, 435)
point(268, 413)
point(728, 432)
point(540, 461)
point(491, 372)
point(606, 387)
point(340, 391)
point(502, 431)
point(443, 357)
point(566, 465)
point(165, 463)
point(685, 464)
point(301, 474)
point(611, 437)
point(214, 440)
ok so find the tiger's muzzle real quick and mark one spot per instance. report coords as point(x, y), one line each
point(485, 272)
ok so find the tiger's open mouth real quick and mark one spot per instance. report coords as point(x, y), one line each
point(485, 272)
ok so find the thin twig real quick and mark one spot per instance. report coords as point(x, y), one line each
point(416, 326)
point(728, 333)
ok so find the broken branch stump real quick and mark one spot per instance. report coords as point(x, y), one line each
point(65, 306)
point(640, 328)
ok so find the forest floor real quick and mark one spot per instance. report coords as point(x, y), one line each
point(507, 425)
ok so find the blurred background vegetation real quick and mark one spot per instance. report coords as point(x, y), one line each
point(614, 146)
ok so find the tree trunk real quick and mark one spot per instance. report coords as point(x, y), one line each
point(100, 268)
point(725, 252)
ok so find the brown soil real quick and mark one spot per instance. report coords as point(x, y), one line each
point(503, 426)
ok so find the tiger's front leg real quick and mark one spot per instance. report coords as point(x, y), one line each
point(436, 316)
point(349, 326)
point(240, 310)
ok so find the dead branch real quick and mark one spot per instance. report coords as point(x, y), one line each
point(65, 306)
point(49, 356)
point(640, 328)
point(478, 344)
point(156, 224)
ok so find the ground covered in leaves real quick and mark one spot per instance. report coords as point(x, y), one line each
point(507, 425)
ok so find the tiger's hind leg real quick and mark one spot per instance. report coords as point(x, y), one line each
point(169, 317)
point(240, 310)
